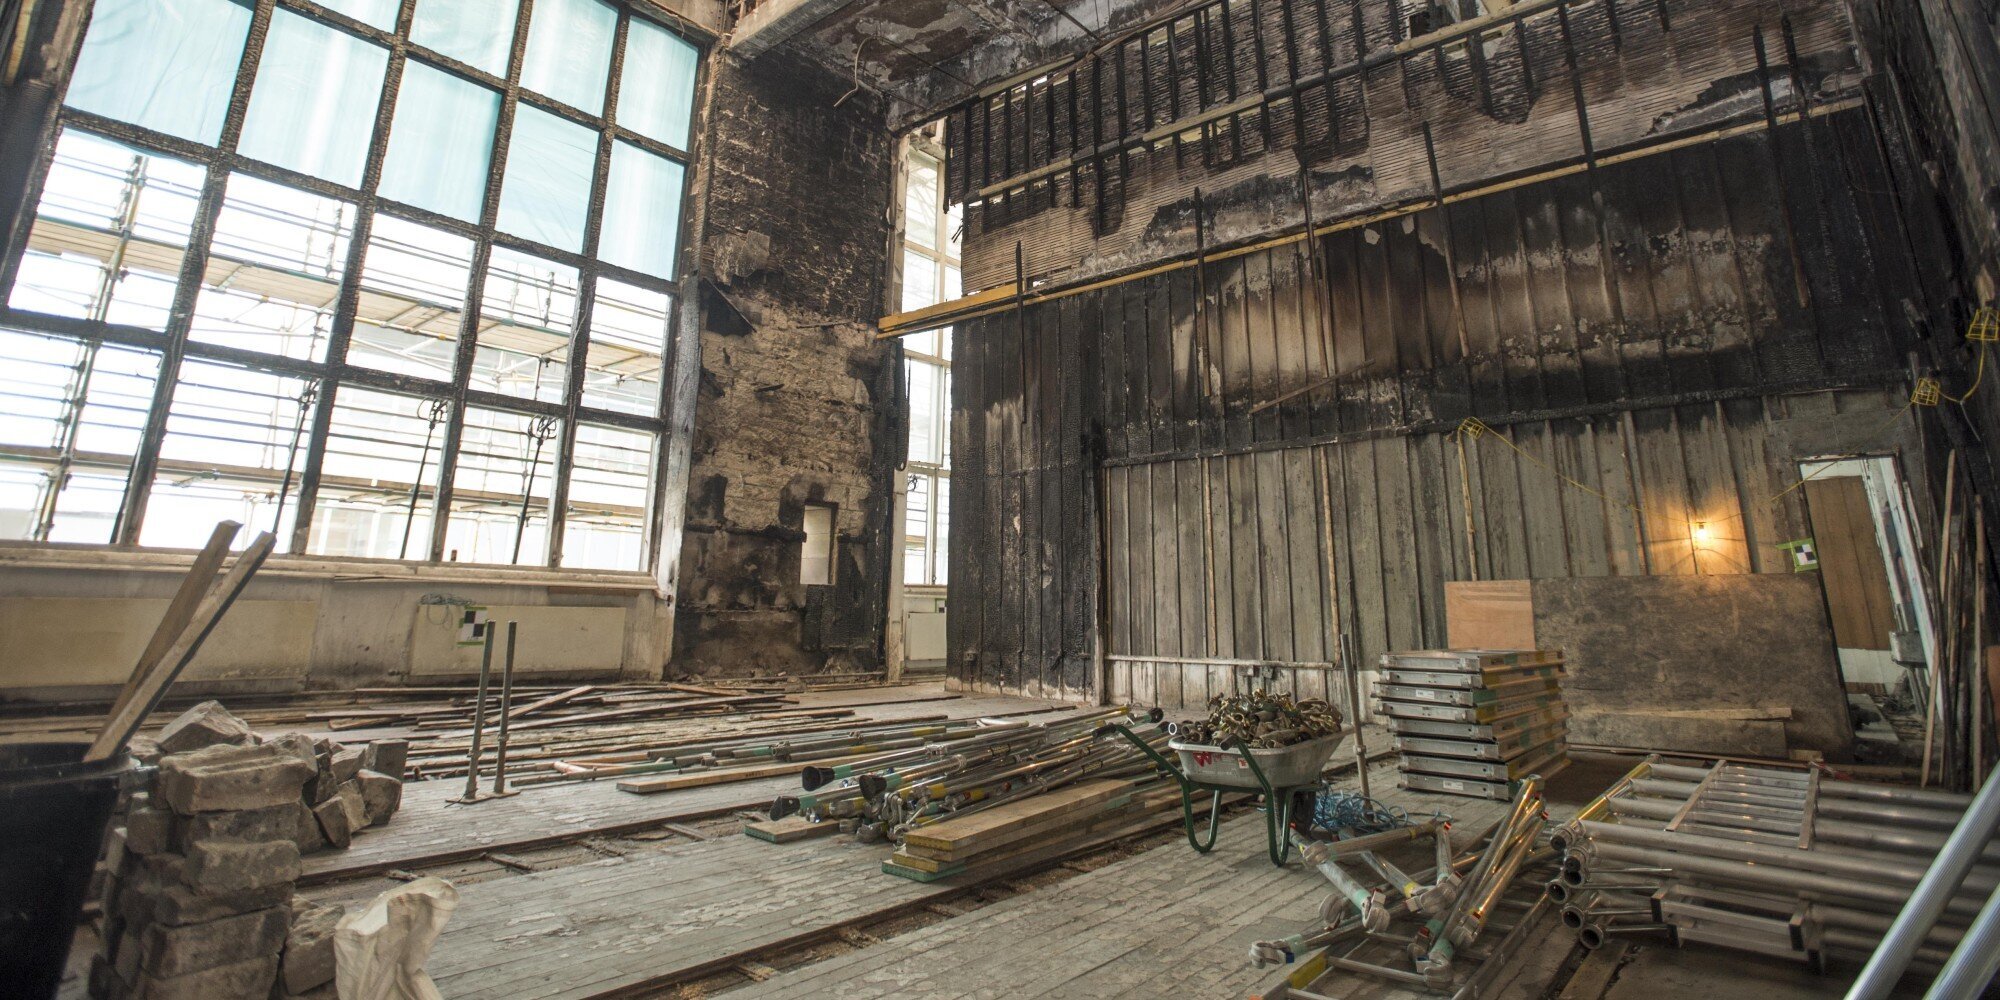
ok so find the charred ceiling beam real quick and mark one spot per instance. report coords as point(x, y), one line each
point(774, 22)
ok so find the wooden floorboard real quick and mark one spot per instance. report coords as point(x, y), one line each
point(429, 828)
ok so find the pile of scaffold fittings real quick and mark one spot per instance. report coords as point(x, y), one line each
point(1795, 864)
point(887, 796)
point(1446, 909)
point(1260, 720)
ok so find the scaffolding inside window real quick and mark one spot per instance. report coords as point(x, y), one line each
point(241, 298)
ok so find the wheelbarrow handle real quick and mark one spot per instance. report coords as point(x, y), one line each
point(1165, 766)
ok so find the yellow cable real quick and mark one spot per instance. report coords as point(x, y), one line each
point(1977, 376)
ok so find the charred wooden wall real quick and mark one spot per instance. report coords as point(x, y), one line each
point(1237, 461)
point(1094, 168)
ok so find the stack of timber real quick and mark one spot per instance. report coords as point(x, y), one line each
point(1000, 768)
point(1064, 816)
point(791, 752)
point(1475, 721)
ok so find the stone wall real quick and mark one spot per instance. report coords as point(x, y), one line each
point(797, 402)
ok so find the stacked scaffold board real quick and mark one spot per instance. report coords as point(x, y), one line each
point(1474, 721)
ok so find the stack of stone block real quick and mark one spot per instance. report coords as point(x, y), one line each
point(198, 891)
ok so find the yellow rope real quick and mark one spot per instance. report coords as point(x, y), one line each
point(1977, 376)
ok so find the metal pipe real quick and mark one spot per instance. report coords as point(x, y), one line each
point(1592, 936)
point(1598, 807)
point(1830, 831)
point(506, 706)
point(1971, 967)
point(1376, 841)
point(1880, 870)
point(1790, 880)
point(1933, 892)
point(479, 714)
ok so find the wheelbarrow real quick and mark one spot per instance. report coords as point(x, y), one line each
point(1285, 776)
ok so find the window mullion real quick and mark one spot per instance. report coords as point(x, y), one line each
point(475, 289)
point(347, 305)
point(194, 265)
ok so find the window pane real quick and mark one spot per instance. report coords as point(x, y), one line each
point(168, 65)
point(941, 542)
point(920, 202)
point(610, 484)
point(441, 143)
point(412, 299)
point(377, 446)
point(546, 194)
point(109, 233)
point(502, 457)
point(234, 446)
point(313, 107)
point(916, 529)
point(379, 13)
point(628, 336)
point(479, 33)
point(62, 396)
point(656, 83)
point(919, 281)
point(923, 411)
point(526, 314)
point(274, 270)
point(642, 211)
point(569, 52)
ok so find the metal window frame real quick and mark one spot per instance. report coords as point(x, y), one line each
point(941, 257)
point(222, 161)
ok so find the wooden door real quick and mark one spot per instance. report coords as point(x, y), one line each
point(1850, 563)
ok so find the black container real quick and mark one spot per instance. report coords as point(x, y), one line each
point(54, 810)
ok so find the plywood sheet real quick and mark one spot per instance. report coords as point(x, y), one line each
point(1851, 564)
point(1664, 648)
point(1490, 614)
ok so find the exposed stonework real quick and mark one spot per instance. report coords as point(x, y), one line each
point(797, 400)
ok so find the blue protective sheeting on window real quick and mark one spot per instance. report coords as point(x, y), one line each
point(546, 194)
point(642, 211)
point(656, 83)
point(313, 107)
point(166, 65)
point(479, 33)
point(569, 52)
point(441, 142)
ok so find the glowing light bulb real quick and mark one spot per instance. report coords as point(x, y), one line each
point(1701, 531)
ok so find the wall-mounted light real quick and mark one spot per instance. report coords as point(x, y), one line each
point(1701, 532)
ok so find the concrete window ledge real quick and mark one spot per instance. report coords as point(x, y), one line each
point(32, 556)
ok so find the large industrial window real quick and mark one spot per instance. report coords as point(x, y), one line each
point(930, 276)
point(391, 278)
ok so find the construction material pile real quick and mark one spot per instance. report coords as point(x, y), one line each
point(967, 769)
point(350, 787)
point(1471, 722)
point(1261, 721)
point(827, 755)
point(1447, 908)
point(1782, 862)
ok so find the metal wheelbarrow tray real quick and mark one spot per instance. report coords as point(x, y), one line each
point(1282, 776)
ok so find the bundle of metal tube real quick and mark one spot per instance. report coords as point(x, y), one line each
point(1792, 864)
point(1456, 899)
point(915, 785)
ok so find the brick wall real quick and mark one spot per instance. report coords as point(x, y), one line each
point(797, 400)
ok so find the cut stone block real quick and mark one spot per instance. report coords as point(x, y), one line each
point(382, 795)
point(299, 745)
point(147, 830)
point(308, 960)
point(204, 725)
point(246, 979)
point(350, 799)
point(220, 866)
point(279, 822)
point(345, 762)
point(158, 895)
point(226, 777)
point(310, 838)
point(390, 757)
point(333, 823)
point(177, 951)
